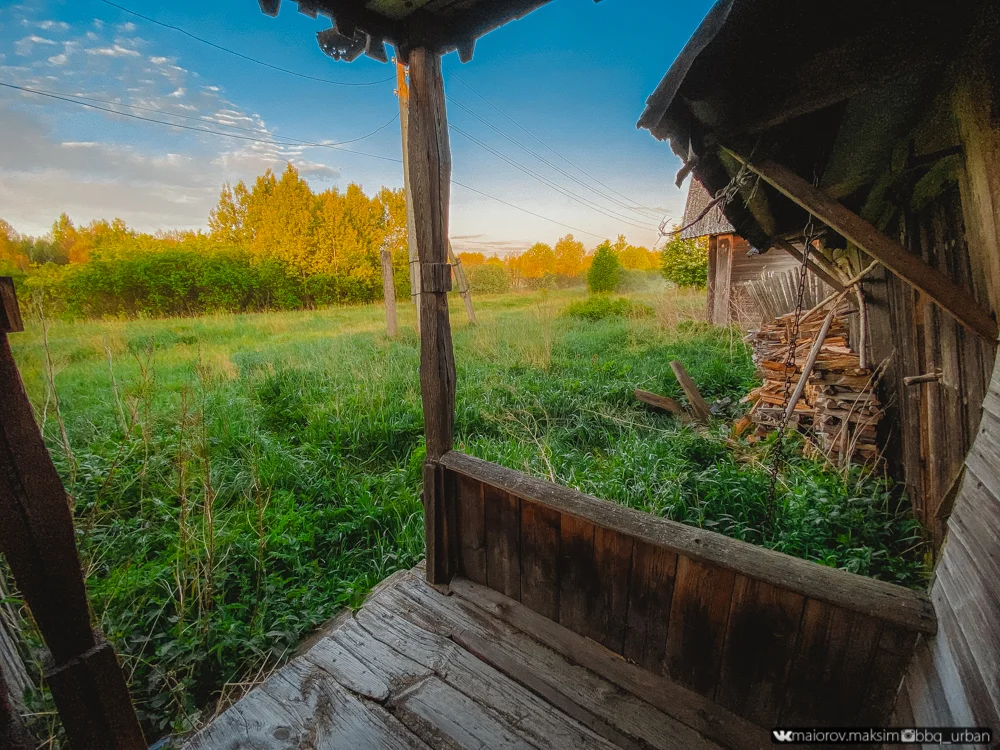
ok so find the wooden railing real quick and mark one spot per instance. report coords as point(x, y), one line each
point(773, 638)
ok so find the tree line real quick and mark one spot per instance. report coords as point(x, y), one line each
point(270, 245)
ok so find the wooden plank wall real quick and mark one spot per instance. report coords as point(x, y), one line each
point(751, 629)
point(955, 676)
point(930, 427)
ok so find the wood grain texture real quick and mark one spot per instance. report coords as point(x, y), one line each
point(503, 542)
point(885, 601)
point(698, 405)
point(388, 294)
point(650, 594)
point(760, 643)
point(693, 710)
point(429, 159)
point(471, 513)
point(577, 576)
point(10, 312)
point(697, 629)
point(540, 528)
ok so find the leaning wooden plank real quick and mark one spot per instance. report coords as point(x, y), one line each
point(444, 717)
point(702, 715)
point(661, 402)
point(909, 609)
point(330, 715)
point(698, 405)
point(515, 705)
point(953, 299)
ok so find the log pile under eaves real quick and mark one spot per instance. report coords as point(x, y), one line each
point(838, 412)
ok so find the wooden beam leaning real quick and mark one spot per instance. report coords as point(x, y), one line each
point(701, 411)
point(949, 296)
point(429, 160)
point(829, 278)
point(389, 293)
point(403, 92)
point(38, 540)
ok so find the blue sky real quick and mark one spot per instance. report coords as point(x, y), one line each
point(574, 73)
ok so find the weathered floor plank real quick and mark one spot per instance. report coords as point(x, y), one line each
point(417, 669)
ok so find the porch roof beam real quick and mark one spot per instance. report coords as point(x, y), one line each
point(949, 296)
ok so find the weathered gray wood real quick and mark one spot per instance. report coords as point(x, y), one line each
point(466, 672)
point(882, 600)
point(389, 294)
point(462, 283)
point(403, 92)
point(703, 715)
point(328, 715)
point(442, 716)
point(697, 629)
point(698, 405)
point(540, 559)
point(816, 266)
point(503, 542)
point(954, 300)
point(429, 158)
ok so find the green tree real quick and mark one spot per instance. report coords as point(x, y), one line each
point(685, 262)
point(605, 270)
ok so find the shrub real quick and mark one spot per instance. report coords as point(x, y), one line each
point(685, 262)
point(600, 307)
point(488, 279)
point(605, 271)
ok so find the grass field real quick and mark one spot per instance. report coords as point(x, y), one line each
point(238, 479)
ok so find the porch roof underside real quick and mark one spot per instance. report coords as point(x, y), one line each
point(439, 25)
point(826, 89)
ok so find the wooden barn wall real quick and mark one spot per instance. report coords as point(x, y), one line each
point(930, 427)
point(749, 267)
point(954, 678)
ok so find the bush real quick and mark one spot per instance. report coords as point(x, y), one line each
point(600, 307)
point(488, 279)
point(685, 262)
point(605, 271)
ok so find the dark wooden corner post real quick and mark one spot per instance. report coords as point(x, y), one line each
point(38, 540)
point(429, 161)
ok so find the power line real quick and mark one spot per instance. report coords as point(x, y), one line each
point(543, 143)
point(587, 203)
point(275, 142)
point(240, 54)
point(202, 118)
point(641, 211)
point(525, 210)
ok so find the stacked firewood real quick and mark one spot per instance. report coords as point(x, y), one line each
point(838, 411)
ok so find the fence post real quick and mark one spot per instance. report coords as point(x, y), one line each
point(38, 539)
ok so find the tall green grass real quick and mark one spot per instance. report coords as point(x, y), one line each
point(238, 479)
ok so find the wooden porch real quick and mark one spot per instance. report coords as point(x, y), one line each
point(568, 621)
point(416, 667)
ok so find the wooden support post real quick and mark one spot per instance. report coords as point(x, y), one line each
point(389, 292)
point(429, 159)
point(813, 265)
point(698, 405)
point(462, 283)
point(949, 296)
point(403, 92)
point(38, 539)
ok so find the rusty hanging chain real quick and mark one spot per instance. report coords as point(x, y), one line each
point(777, 454)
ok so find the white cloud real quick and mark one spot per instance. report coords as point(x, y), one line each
point(58, 60)
point(113, 51)
point(25, 46)
point(159, 60)
point(125, 28)
point(177, 93)
point(53, 25)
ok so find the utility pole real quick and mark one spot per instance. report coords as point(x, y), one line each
point(403, 93)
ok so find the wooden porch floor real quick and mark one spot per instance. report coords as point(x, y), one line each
point(415, 668)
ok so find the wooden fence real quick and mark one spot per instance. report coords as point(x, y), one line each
point(776, 294)
point(772, 638)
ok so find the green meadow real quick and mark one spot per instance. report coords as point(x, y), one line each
point(238, 479)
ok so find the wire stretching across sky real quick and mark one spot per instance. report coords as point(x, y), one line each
point(635, 204)
point(237, 136)
point(586, 203)
point(240, 55)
